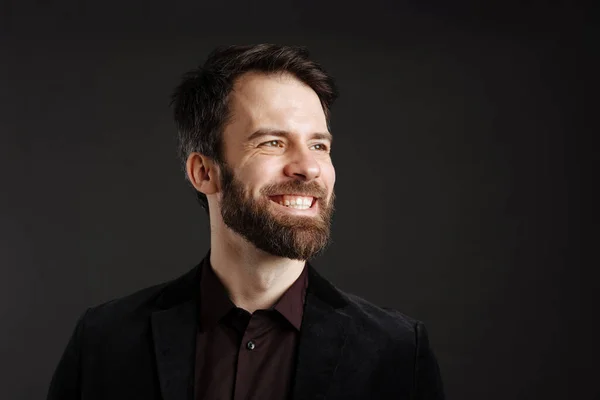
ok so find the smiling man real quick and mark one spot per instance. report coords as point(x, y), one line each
point(253, 320)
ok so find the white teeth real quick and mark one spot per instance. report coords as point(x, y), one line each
point(301, 203)
point(296, 206)
point(299, 207)
point(294, 200)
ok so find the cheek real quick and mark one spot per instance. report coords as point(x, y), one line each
point(257, 177)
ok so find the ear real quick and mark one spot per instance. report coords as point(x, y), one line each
point(202, 173)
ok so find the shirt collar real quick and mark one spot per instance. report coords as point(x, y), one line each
point(215, 302)
point(291, 304)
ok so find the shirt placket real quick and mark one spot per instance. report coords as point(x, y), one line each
point(250, 351)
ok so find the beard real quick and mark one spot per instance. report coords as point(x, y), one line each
point(296, 237)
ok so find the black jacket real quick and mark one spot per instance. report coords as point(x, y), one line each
point(143, 347)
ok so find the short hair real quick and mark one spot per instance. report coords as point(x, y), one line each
point(201, 101)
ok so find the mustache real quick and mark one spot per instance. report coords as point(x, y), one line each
point(312, 189)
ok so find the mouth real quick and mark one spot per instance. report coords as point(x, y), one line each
point(298, 202)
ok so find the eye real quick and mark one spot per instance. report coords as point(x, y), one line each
point(321, 146)
point(272, 143)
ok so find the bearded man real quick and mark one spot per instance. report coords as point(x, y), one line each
point(254, 319)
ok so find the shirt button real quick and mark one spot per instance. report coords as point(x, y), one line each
point(250, 345)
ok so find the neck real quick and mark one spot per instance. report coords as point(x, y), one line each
point(254, 279)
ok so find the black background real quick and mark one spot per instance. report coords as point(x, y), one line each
point(459, 178)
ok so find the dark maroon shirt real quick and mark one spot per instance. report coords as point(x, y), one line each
point(241, 355)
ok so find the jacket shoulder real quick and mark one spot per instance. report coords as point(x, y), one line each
point(137, 306)
point(402, 345)
point(376, 322)
point(385, 321)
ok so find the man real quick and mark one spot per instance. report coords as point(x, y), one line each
point(253, 320)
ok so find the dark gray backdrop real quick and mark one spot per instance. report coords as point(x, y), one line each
point(458, 189)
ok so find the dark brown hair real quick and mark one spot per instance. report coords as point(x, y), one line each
point(200, 102)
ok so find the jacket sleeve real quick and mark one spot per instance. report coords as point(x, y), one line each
point(428, 381)
point(66, 380)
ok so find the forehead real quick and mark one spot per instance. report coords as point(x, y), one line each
point(275, 101)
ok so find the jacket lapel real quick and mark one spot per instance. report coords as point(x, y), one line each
point(174, 346)
point(174, 333)
point(322, 338)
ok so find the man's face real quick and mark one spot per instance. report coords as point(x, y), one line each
point(277, 184)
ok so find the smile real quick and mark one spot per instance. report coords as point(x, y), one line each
point(294, 201)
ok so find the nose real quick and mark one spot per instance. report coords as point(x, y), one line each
point(303, 166)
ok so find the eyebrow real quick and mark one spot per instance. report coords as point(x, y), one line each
point(276, 132)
